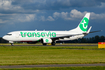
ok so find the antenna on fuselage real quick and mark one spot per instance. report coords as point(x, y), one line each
point(35, 29)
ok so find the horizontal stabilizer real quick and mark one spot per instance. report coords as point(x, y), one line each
point(95, 31)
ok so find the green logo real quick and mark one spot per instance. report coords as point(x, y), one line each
point(84, 24)
point(47, 40)
point(38, 34)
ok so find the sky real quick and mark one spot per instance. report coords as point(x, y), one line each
point(54, 15)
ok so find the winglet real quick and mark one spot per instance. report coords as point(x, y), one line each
point(89, 29)
point(86, 33)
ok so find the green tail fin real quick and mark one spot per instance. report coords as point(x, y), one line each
point(84, 22)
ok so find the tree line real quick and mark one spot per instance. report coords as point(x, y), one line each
point(95, 39)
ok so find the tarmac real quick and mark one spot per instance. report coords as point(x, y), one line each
point(53, 65)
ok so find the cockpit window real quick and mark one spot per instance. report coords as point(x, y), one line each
point(9, 34)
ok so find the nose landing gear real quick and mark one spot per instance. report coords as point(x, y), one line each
point(11, 42)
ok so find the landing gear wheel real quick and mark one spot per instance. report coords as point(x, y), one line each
point(11, 44)
point(44, 44)
point(53, 43)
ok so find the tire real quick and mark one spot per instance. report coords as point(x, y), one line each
point(44, 44)
point(53, 43)
point(12, 44)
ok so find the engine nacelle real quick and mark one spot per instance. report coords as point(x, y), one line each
point(47, 40)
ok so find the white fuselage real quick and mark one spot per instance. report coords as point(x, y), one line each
point(25, 36)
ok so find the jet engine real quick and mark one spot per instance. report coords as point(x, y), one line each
point(47, 40)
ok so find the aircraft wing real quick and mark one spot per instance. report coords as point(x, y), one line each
point(62, 37)
point(67, 36)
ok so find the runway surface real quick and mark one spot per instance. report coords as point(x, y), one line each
point(49, 45)
point(54, 65)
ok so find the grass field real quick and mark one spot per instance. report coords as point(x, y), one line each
point(33, 55)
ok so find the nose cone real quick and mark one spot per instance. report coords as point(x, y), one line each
point(5, 37)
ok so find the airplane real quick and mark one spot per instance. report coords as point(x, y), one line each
point(46, 37)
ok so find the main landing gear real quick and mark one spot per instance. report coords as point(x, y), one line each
point(53, 43)
point(44, 43)
point(11, 42)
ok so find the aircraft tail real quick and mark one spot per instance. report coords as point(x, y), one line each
point(83, 25)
